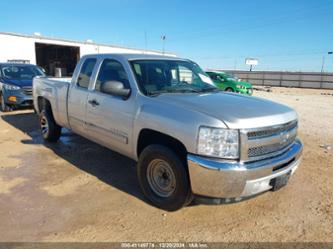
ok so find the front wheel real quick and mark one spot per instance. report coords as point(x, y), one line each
point(163, 178)
point(51, 132)
point(229, 89)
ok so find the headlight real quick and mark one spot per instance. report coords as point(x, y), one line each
point(217, 142)
point(240, 87)
point(11, 87)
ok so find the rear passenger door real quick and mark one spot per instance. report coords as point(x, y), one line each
point(110, 118)
point(78, 94)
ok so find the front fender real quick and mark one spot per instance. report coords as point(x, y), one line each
point(173, 121)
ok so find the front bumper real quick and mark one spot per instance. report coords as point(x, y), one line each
point(232, 179)
point(22, 99)
point(248, 91)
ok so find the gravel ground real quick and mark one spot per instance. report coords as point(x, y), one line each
point(78, 191)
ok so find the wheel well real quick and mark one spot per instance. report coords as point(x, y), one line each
point(43, 103)
point(148, 137)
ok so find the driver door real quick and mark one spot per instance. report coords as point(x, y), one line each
point(109, 118)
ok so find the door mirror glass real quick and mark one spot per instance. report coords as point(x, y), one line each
point(115, 88)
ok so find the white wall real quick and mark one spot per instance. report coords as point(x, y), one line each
point(14, 47)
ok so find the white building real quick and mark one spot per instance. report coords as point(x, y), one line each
point(56, 56)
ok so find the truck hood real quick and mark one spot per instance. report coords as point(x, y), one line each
point(20, 83)
point(235, 110)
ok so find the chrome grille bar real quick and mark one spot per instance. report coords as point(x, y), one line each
point(257, 144)
point(27, 90)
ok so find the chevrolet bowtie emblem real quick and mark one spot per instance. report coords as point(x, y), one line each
point(284, 137)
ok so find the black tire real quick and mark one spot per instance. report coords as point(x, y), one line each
point(51, 132)
point(180, 193)
point(3, 106)
point(229, 89)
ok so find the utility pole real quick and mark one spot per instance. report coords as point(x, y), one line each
point(323, 61)
point(163, 38)
point(322, 64)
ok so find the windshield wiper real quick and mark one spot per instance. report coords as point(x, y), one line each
point(186, 90)
point(211, 89)
point(158, 92)
point(190, 90)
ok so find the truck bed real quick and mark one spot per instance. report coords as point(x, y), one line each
point(55, 90)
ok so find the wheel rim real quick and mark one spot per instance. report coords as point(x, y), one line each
point(161, 178)
point(44, 126)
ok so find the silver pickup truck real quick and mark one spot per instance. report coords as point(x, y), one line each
point(190, 139)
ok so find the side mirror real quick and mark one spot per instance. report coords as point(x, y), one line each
point(115, 88)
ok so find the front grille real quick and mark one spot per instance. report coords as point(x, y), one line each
point(267, 149)
point(27, 90)
point(268, 142)
point(272, 130)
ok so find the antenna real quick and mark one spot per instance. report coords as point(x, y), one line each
point(146, 42)
point(163, 38)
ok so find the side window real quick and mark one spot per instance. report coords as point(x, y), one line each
point(213, 76)
point(174, 76)
point(186, 75)
point(111, 70)
point(86, 72)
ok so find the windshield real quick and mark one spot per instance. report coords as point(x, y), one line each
point(231, 77)
point(16, 72)
point(172, 76)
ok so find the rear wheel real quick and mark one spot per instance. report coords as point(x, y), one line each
point(229, 89)
point(163, 178)
point(51, 132)
point(4, 107)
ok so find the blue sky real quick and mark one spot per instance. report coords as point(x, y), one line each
point(283, 35)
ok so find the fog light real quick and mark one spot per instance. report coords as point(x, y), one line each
point(12, 98)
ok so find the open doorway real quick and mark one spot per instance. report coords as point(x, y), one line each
point(57, 60)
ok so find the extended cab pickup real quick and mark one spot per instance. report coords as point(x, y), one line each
point(189, 138)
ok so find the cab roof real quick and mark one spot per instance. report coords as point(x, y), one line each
point(15, 64)
point(135, 56)
point(217, 72)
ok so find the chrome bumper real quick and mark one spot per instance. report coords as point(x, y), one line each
point(233, 179)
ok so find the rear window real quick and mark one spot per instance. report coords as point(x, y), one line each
point(86, 72)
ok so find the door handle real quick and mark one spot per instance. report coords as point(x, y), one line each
point(93, 102)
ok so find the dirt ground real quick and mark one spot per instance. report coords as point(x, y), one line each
point(76, 190)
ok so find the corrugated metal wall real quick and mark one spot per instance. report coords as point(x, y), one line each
point(293, 79)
